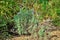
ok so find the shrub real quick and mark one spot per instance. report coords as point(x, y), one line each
point(25, 21)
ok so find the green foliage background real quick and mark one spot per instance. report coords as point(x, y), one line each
point(20, 13)
point(8, 8)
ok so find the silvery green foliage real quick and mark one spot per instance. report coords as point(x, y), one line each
point(25, 21)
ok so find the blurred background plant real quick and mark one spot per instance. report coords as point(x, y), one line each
point(8, 8)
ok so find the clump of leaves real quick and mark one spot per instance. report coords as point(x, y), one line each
point(41, 31)
point(25, 21)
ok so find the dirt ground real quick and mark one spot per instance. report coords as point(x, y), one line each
point(54, 35)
